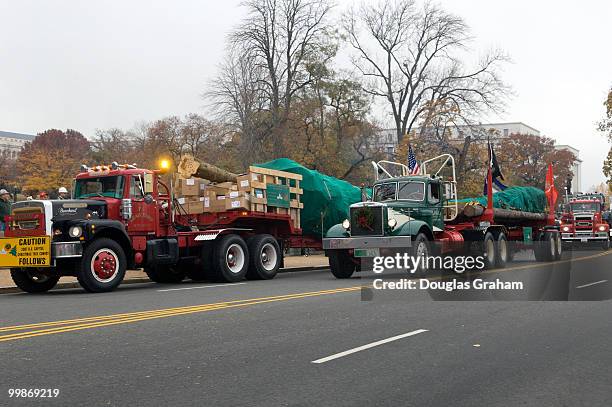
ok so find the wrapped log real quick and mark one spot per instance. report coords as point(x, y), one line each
point(189, 167)
point(503, 215)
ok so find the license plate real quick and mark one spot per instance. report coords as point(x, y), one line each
point(374, 252)
point(583, 240)
point(32, 251)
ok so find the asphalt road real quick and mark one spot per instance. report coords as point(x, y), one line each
point(307, 339)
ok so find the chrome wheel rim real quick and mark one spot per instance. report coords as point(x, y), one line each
point(234, 258)
point(421, 250)
point(503, 249)
point(490, 250)
point(268, 257)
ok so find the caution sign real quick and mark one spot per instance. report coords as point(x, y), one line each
point(25, 251)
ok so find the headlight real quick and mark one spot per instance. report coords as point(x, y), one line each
point(566, 228)
point(346, 224)
point(75, 231)
point(57, 232)
point(392, 223)
point(602, 228)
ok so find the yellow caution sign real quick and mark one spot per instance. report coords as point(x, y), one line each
point(32, 251)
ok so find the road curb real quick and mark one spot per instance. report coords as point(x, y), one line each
point(140, 280)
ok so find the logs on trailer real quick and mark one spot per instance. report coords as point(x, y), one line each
point(189, 167)
point(503, 215)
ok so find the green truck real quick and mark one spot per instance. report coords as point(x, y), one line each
point(419, 215)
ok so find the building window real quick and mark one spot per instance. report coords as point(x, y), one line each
point(505, 132)
point(389, 150)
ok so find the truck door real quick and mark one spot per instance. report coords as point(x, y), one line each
point(435, 201)
point(144, 209)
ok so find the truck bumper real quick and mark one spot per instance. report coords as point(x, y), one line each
point(583, 239)
point(63, 250)
point(366, 242)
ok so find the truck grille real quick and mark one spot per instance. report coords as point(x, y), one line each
point(367, 220)
point(28, 218)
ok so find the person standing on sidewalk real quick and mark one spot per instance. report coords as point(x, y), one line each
point(5, 208)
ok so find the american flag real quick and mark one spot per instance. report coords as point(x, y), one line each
point(413, 165)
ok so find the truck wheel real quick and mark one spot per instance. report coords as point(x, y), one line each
point(606, 245)
point(165, 274)
point(102, 266)
point(341, 263)
point(420, 248)
point(33, 280)
point(264, 257)
point(558, 246)
point(230, 259)
point(503, 252)
point(489, 251)
point(545, 248)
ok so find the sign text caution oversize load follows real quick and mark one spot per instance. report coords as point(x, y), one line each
point(25, 252)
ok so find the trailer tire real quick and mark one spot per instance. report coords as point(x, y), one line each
point(230, 259)
point(341, 264)
point(545, 249)
point(30, 281)
point(264, 257)
point(502, 257)
point(165, 274)
point(558, 246)
point(489, 250)
point(102, 266)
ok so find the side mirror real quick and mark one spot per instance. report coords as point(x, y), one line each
point(126, 209)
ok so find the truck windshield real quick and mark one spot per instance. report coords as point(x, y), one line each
point(411, 191)
point(109, 187)
point(585, 207)
point(384, 192)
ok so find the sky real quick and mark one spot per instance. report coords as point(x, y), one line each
point(97, 65)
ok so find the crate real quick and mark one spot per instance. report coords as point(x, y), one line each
point(260, 180)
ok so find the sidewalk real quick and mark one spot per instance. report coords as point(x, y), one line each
point(137, 276)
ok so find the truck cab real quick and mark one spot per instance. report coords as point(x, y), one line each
point(119, 215)
point(583, 220)
point(406, 213)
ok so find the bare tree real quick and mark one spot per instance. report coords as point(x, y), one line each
point(239, 99)
point(280, 37)
point(411, 56)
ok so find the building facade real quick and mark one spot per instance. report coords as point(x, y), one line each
point(11, 143)
point(576, 170)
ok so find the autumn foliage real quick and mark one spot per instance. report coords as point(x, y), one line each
point(51, 160)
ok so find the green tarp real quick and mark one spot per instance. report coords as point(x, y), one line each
point(326, 199)
point(526, 199)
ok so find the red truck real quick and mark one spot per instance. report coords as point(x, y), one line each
point(123, 217)
point(582, 220)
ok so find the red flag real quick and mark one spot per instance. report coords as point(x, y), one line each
point(549, 188)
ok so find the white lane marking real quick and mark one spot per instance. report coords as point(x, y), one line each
point(590, 284)
point(201, 286)
point(368, 346)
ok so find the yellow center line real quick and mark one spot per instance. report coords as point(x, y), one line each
point(143, 313)
point(171, 312)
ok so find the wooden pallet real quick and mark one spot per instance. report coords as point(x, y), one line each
point(267, 176)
